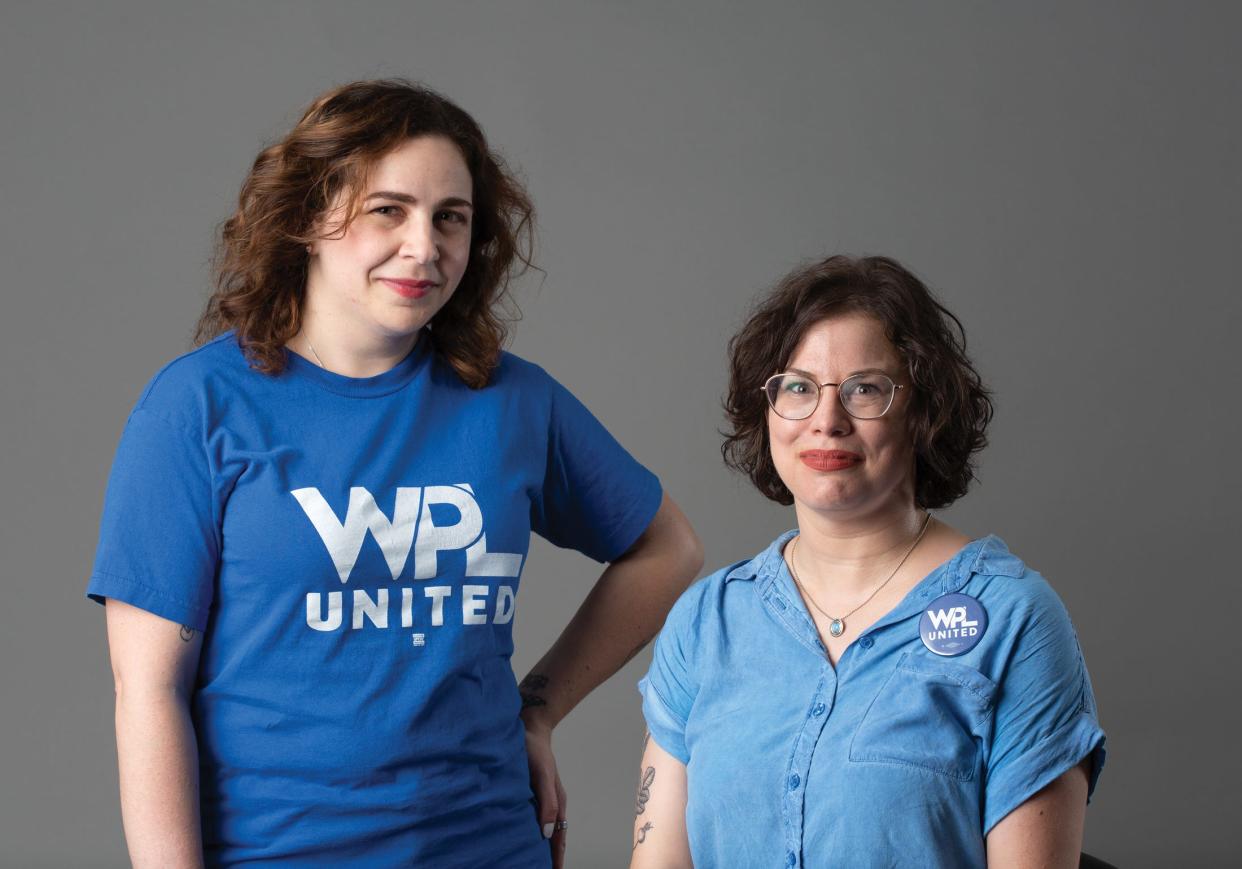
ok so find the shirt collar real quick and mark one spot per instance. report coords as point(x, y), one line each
point(764, 565)
point(987, 556)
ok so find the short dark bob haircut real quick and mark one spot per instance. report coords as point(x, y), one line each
point(261, 260)
point(949, 408)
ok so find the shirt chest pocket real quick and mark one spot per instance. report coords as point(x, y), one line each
point(930, 714)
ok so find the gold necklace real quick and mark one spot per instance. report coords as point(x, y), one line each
point(316, 355)
point(836, 626)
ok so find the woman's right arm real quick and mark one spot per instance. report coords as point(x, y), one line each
point(660, 840)
point(153, 664)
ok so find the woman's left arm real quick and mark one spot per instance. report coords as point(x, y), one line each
point(624, 610)
point(1046, 830)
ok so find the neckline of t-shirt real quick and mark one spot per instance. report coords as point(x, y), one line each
point(386, 383)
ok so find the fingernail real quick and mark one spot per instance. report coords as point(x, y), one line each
point(547, 830)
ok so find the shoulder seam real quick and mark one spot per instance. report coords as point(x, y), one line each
point(159, 375)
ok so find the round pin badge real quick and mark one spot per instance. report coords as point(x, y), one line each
point(953, 624)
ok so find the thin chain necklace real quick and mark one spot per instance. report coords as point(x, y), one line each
point(836, 626)
point(316, 355)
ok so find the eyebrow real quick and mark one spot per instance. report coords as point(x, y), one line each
point(815, 377)
point(455, 201)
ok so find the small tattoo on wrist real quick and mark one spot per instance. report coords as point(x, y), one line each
point(529, 689)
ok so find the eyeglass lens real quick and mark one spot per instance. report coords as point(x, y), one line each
point(864, 396)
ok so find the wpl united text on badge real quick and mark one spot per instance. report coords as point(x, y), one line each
point(953, 624)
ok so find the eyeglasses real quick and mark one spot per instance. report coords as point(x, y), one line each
point(864, 396)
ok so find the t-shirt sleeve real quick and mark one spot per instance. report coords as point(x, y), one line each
point(596, 498)
point(1045, 715)
point(671, 684)
point(159, 537)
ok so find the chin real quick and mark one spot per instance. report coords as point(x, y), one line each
point(404, 321)
point(834, 496)
point(837, 507)
point(825, 489)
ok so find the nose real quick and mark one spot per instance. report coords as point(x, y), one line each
point(421, 241)
point(830, 416)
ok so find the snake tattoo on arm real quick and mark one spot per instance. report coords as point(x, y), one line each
point(644, 795)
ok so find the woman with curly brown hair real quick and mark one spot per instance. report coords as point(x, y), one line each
point(316, 522)
point(874, 688)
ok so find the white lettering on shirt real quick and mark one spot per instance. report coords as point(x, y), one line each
point(315, 620)
point(504, 606)
point(374, 610)
point(472, 604)
point(437, 593)
point(412, 527)
point(344, 539)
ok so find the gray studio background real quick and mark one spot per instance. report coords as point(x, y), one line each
point(1065, 175)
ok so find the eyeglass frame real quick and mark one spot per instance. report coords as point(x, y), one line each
point(819, 391)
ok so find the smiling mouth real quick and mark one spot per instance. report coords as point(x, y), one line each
point(410, 289)
point(829, 460)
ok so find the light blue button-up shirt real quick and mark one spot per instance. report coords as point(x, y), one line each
point(898, 756)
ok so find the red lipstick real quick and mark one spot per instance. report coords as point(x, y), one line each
point(410, 289)
point(829, 460)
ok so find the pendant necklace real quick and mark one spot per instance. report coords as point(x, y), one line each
point(836, 626)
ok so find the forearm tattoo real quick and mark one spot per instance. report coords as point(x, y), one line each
point(644, 791)
point(644, 794)
point(530, 688)
point(187, 633)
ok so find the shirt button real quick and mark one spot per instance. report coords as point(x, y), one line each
point(794, 781)
point(866, 642)
point(791, 859)
point(818, 709)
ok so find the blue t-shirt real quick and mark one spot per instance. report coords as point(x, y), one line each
point(351, 549)
point(898, 756)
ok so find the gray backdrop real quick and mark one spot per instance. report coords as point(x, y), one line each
point(1065, 175)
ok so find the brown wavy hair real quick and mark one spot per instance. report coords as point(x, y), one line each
point(261, 258)
point(949, 407)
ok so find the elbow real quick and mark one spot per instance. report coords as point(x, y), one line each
point(685, 552)
point(692, 554)
point(686, 545)
point(134, 689)
point(670, 547)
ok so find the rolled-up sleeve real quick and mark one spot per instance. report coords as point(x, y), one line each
point(670, 686)
point(1045, 716)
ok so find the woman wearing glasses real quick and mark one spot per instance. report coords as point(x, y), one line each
point(874, 688)
point(316, 523)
